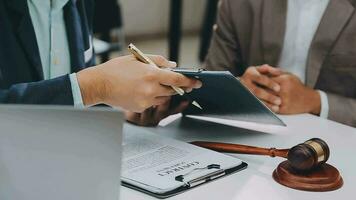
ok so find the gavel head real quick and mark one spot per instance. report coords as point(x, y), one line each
point(308, 155)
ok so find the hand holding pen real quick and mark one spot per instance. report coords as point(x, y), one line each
point(143, 58)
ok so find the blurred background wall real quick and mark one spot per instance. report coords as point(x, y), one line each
point(146, 23)
point(151, 17)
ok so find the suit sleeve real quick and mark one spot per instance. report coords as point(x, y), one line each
point(342, 109)
point(224, 53)
point(55, 91)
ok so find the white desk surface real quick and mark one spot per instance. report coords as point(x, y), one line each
point(256, 181)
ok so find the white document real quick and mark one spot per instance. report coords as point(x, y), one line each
point(153, 163)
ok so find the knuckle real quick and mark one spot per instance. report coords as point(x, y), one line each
point(264, 66)
point(245, 78)
point(176, 80)
point(258, 92)
point(249, 78)
point(160, 59)
point(271, 84)
point(270, 106)
point(149, 91)
point(251, 70)
point(260, 79)
point(150, 75)
point(271, 98)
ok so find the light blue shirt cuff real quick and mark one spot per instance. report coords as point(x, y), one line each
point(77, 95)
point(324, 113)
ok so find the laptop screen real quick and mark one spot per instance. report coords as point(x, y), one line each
point(59, 153)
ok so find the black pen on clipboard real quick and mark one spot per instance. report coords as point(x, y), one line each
point(143, 58)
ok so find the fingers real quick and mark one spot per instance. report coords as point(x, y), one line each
point(163, 108)
point(253, 77)
point(266, 96)
point(149, 117)
point(132, 117)
point(162, 61)
point(274, 108)
point(161, 100)
point(153, 115)
point(141, 119)
point(161, 112)
point(188, 90)
point(165, 91)
point(270, 71)
point(265, 81)
point(146, 118)
point(169, 78)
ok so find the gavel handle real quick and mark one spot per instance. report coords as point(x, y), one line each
point(242, 149)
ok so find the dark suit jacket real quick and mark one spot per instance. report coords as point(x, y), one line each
point(251, 33)
point(21, 76)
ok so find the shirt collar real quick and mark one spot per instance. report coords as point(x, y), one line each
point(56, 4)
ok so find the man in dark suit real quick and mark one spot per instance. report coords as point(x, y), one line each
point(313, 44)
point(46, 49)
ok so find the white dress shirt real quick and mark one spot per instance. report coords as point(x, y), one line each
point(303, 19)
point(48, 22)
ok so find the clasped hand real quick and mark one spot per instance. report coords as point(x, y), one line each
point(282, 92)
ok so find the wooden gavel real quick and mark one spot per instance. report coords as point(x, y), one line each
point(303, 158)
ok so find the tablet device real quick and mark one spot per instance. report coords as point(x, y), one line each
point(224, 96)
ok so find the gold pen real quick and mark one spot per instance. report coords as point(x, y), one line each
point(143, 58)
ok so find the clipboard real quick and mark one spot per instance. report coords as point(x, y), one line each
point(191, 183)
point(164, 167)
point(224, 96)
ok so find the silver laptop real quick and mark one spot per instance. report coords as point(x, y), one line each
point(59, 153)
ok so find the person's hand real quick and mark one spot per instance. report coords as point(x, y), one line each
point(259, 81)
point(296, 97)
point(130, 84)
point(152, 116)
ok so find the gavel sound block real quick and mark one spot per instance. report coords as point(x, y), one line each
point(305, 168)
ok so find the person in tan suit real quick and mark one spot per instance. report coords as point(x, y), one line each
point(297, 56)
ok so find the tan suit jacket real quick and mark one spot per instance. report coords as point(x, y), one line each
point(251, 33)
